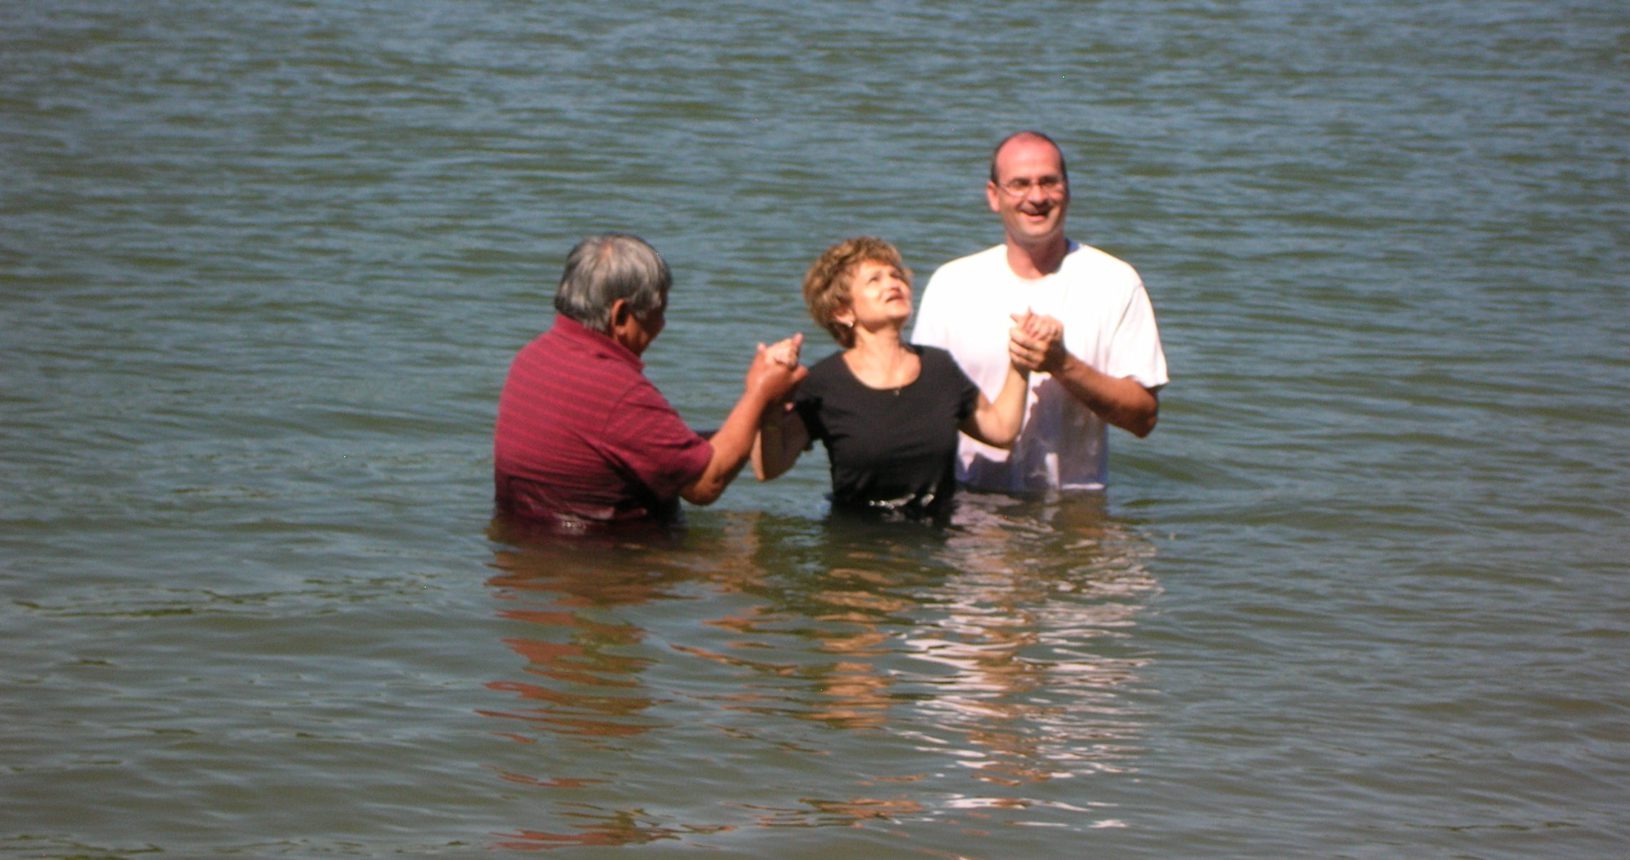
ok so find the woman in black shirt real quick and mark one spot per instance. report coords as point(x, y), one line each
point(887, 411)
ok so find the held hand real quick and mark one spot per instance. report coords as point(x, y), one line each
point(775, 370)
point(785, 352)
point(1036, 343)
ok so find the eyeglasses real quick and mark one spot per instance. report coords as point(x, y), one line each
point(1049, 185)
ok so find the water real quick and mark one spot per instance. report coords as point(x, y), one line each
point(1361, 595)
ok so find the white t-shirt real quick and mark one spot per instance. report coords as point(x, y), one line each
point(1108, 323)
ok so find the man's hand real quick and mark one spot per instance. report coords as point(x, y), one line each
point(770, 379)
point(775, 370)
point(1036, 343)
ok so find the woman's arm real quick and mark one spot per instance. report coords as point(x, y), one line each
point(781, 433)
point(998, 423)
point(782, 436)
point(769, 383)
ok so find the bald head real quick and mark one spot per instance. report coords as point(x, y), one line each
point(1026, 137)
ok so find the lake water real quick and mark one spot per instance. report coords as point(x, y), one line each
point(1362, 594)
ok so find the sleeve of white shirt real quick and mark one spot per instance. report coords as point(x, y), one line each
point(1137, 351)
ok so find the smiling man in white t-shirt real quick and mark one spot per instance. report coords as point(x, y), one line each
point(1104, 363)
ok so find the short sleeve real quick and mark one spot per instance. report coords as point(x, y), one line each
point(1136, 351)
point(648, 440)
point(808, 404)
point(968, 392)
point(947, 375)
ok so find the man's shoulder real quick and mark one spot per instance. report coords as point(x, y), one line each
point(1087, 260)
point(1080, 260)
point(579, 370)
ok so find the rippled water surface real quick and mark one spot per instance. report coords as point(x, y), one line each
point(262, 268)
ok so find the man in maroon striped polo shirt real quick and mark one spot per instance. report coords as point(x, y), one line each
point(583, 437)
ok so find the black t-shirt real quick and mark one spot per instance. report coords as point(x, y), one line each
point(890, 449)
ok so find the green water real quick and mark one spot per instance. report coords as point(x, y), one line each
point(1362, 594)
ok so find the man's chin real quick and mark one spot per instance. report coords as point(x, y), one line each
point(1040, 233)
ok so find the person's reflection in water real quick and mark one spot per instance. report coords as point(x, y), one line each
point(591, 689)
point(967, 669)
point(587, 704)
point(583, 683)
point(1036, 619)
point(999, 643)
point(853, 629)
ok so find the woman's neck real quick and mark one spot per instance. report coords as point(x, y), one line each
point(881, 359)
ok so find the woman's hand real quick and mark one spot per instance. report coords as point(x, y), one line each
point(1036, 343)
point(776, 370)
point(785, 352)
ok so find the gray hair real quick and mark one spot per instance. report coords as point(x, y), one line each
point(602, 269)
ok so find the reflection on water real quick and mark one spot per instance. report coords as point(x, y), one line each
point(968, 667)
point(586, 681)
point(1033, 618)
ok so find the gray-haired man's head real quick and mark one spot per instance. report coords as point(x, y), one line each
point(602, 269)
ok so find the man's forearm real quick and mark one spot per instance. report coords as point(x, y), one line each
point(1120, 401)
point(732, 446)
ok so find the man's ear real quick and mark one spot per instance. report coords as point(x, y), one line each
point(620, 313)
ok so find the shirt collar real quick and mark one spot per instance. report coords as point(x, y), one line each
point(577, 333)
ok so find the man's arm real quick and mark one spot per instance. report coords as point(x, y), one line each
point(768, 382)
point(1037, 344)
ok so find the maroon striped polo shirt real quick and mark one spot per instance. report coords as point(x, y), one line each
point(583, 434)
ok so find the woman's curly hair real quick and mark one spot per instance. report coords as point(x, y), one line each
point(826, 284)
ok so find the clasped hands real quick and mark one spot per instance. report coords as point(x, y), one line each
point(776, 367)
point(1036, 343)
point(784, 352)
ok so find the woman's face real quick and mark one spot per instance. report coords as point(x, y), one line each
point(879, 296)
